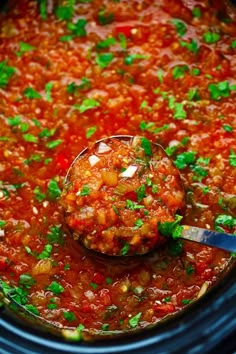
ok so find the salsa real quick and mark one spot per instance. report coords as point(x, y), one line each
point(117, 192)
point(73, 72)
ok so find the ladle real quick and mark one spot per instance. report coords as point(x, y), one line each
point(154, 153)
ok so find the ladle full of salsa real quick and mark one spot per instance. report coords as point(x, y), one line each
point(123, 195)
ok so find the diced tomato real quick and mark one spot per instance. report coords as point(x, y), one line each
point(98, 278)
point(62, 161)
point(164, 308)
point(200, 267)
point(3, 263)
point(126, 30)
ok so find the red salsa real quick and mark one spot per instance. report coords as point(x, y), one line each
point(73, 72)
point(117, 192)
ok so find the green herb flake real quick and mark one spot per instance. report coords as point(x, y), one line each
point(53, 144)
point(132, 205)
point(64, 13)
point(192, 46)
point(130, 58)
point(105, 18)
point(55, 235)
point(48, 88)
point(147, 146)
point(115, 209)
point(14, 121)
point(125, 249)
point(141, 192)
point(47, 133)
point(43, 9)
point(27, 280)
point(171, 228)
point(88, 103)
point(160, 73)
point(134, 321)
point(31, 308)
point(180, 27)
point(93, 285)
point(193, 95)
point(46, 253)
point(224, 220)
point(39, 196)
point(186, 301)
point(233, 44)
point(195, 72)
point(211, 37)
point(54, 190)
point(104, 59)
point(227, 128)
point(179, 71)
point(85, 191)
point(23, 48)
point(109, 280)
point(66, 38)
point(179, 112)
point(190, 269)
point(30, 138)
point(196, 12)
point(30, 93)
point(138, 223)
point(232, 158)
point(219, 90)
point(184, 159)
point(123, 41)
point(106, 43)
point(105, 326)
point(78, 28)
point(56, 288)
point(91, 131)
point(6, 72)
point(69, 316)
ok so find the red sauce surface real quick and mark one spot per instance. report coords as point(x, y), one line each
point(68, 76)
point(117, 192)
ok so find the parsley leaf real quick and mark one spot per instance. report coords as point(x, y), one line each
point(64, 12)
point(43, 8)
point(90, 131)
point(191, 46)
point(184, 159)
point(23, 48)
point(141, 192)
point(69, 316)
point(179, 71)
point(55, 235)
point(6, 73)
point(26, 280)
point(180, 27)
point(46, 253)
point(78, 28)
point(125, 249)
point(147, 147)
point(211, 37)
point(53, 144)
point(56, 288)
point(39, 196)
point(85, 191)
point(225, 220)
point(134, 321)
point(54, 190)
point(132, 205)
point(105, 18)
point(106, 43)
point(30, 93)
point(171, 228)
point(30, 138)
point(104, 59)
point(179, 112)
point(232, 158)
point(219, 90)
point(48, 88)
point(88, 103)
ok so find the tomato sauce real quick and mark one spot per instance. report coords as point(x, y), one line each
point(73, 72)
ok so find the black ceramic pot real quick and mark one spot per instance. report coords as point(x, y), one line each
point(207, 326)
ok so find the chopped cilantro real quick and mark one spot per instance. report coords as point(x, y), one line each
point(180, 27)
point(179, 112)
point(184, 159)
point(130, 58)
point(23, 48)
point(195, 72)
point(105, 326)
point(219, 90)
point(66, 38)
point(78, 28)
point(90, 131)
point(196, 12)
point(179, 71)
point(191, 46)
point(6, 73)
point(147, 146)
point(115, 209)
point(123, 41)
point(26, 280)
point(30, 93)
point(106, 43)
point(104, 59)
point(55, 235)
point(69, 316)
point(31, 308)
point(39, 196)
point(232, 158)
point(46, 253)
point(85, 191)
point(48, 88)
point(186, 301)
point(43, 8)
point(105, 18)
point(227, 128)
point(54, 190)
point(211, 37)
point(88, 103)
point(190, 269)
point(193, 95)
point(141, 192)
point(64, 13)
point(30, 138)
point(171, 228)
point(47, 133)
point(56, 288)
point(14, 121)
point(125, 249)
point(53, 144)
point(134, 321)
point(175, 248)
point(2, 223)
point(233, 44)
point(138, 223)
point(160, 75)
point(225, 220)
point(132, 205)
point(93, 285)
point(109, 280)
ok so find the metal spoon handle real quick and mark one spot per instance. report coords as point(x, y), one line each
point(210, 238)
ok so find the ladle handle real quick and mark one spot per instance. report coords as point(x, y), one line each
point(210, 238)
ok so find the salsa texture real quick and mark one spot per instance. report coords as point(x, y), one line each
point(117, 192)
point(73, 72)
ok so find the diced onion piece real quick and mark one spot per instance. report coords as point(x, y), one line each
point(2, 233)
point(110, 178)
point(102, 148)
point(93, 160)
point(44, 266)
point(129, 172)
point(202, 290)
